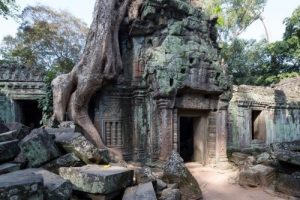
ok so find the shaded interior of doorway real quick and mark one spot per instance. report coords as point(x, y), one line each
point(28, 113)
point(186, 138)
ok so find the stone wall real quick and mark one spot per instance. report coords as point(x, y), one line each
point(171, 70)
point(278, 108)
point(18, 83)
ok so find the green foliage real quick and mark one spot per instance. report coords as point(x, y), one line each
point(262, 63)
point(246, 59)
point(47, 39)
point(8, 8)
point(234, 16)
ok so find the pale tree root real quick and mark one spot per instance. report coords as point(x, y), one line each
point(101, 63)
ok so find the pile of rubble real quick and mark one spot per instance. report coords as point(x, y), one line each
point(60, 163)
point(277, 169)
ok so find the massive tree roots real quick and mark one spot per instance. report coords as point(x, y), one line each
point(101, 62)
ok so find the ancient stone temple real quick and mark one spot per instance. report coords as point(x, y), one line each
point(260, 116)
point(20, 88)
point(173, 92)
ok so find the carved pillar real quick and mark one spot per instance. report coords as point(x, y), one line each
point(140, 126)
point(165, 132)
point(221, 137)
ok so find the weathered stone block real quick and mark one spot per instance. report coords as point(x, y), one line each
point(176, 172)
point(97, 178)
point(170, 194)
point(38, 147)
point(263, 158)
point(68, 160)
point(7, 136)
point(56, 187)
point(288, 184)
point(257, 175)
point(21, 185)
point(238, 158)
point(3, 128)
point(140, 192)
point(8, 167)
point(144, 175)
point(76, 143)
point(8, 150)
point(21, 129)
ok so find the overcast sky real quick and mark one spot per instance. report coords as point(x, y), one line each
point(275, 12)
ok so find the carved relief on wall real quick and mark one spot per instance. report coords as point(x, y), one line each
point(12, 73)
point(113, 133)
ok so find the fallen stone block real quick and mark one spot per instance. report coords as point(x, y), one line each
point(76, 143)
point(258, 175)
point(21, 185)
point(144, 175)
point(38, 148)
point(98, 179)
point(140, 192)
point(160, 185)
point(3, 128)
point(175, 171)
point(56, 187)
point(77, 195)
point(8, 150)
point(8, 167)
point(288, 184)
point(68, 160)
point(170, 194)
point(8, 136)
point(263, 158)
point(238, 158)
point(21, 129)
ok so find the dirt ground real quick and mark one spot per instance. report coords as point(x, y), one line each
point(221, 184)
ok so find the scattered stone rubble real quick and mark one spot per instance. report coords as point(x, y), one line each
point(277, 168)
point(60, 163)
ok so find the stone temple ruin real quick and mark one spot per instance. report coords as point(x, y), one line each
point(259, 116)
point(173, 96)
point(20, 88)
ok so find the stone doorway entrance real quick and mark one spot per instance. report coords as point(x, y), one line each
point(193, 136)
point(28, 113)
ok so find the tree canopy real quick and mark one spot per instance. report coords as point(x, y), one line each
point(234, 16)
point(46, 38)
point(8, 8)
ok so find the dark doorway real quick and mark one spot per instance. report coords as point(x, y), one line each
point(186, 138)
point(258, 126)
point(28, 113)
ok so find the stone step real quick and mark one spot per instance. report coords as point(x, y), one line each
point(8, 150)
point(98, 179)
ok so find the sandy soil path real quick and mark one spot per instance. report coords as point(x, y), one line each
point(219, 184)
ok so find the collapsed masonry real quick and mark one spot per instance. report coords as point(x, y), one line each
point(173, 93)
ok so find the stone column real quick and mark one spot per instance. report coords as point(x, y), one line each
point(165, 123)
point(140, 126)
point(221, 136)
